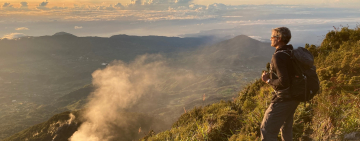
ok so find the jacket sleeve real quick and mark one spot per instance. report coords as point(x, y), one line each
point(280, 65)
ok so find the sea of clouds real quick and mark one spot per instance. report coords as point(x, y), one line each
point(181, 18)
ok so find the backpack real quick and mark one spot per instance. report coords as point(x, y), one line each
point(305, 84)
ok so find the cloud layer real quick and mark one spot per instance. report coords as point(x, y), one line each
point(13, 36)
point(6, 5)
point(22, 28)
point(170, 18)
point(78, 27)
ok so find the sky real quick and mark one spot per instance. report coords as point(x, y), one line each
point(308, 20)
point(328, 3)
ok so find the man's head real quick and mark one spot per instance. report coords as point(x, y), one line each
point(280, 36)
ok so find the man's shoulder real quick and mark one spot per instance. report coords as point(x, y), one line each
point(281, 54)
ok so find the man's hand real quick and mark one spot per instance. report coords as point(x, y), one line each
point(265, 76)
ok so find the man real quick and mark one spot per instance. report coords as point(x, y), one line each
point(280, 113)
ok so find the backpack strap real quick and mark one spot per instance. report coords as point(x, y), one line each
point(284, 51)
point(288, 52)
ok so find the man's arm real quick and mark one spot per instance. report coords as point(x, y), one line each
point(280, 65)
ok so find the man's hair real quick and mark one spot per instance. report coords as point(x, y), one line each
point(284, 33)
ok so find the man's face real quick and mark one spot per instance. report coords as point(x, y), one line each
point(274, 40)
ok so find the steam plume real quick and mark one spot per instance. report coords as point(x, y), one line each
point(120, 86)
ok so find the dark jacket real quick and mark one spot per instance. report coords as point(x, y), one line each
point(281, 72)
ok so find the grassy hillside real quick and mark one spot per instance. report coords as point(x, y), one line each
point(329, 116)
point(65, 124)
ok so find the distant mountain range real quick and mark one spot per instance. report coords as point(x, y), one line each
point(49, 74)
point(33, 66)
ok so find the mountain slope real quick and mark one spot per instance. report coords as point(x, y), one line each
point(331, 115)
point(237, 52)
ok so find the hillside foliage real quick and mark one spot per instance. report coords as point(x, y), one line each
point(332, 114)
point(64, 124)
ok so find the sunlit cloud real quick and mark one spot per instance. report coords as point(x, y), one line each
point(257, 38)
point(13, 36)
point(6, 5)
point(135, 2)
point(232, 16)
point(24, 4)
point(78, 27)
point(217, 6)
point(119, 5)
point(42, 5)
point(22, 28)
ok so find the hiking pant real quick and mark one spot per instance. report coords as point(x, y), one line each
point(278, 117)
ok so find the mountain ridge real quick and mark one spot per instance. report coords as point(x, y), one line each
point(64, 34)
